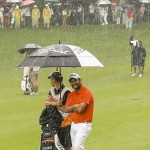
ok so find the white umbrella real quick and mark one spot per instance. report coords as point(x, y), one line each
point(13, 1)
point(103, 2)
point(145, 1)
point(61, 55)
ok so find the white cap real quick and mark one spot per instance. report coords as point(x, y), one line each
point(17, 7)
point(74, 76)
point(134, 42)
point(34, 6)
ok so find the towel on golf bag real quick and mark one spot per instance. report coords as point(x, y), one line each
point(26, 86)
point(50, 120)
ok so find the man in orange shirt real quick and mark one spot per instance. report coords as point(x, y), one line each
point(80, 103)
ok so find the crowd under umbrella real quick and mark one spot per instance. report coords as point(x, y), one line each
point(28, 48)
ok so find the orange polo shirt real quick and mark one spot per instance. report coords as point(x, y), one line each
point(84, 95)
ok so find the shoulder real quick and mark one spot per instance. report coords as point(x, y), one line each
point(67, 89)
point(83, 88)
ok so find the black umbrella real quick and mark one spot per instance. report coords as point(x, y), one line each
point(28, 47)
point(61, 55)
point(128, 6)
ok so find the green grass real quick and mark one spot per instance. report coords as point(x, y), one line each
point(122, 103)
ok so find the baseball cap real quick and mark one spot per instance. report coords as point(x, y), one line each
point(74, 76)
point(57, 76)
point(34, 6)
point(17, 7)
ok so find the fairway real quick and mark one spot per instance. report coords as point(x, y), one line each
point(122, 103)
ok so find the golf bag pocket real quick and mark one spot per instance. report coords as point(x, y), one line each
point(23, 85)
point(47, 142)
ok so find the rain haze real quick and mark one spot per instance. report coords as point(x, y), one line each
point(93, 38)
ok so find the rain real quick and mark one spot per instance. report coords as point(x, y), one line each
point(121, 112)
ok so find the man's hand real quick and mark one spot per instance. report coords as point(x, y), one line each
point(47, 103)
point(50, 98)
point(79, 108)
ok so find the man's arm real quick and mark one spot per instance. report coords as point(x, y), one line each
point(80, 108)
point(51, 101)
point(67, 109)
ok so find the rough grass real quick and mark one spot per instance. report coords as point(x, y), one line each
point(121, 116)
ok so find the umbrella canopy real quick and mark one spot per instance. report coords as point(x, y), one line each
point(145, 1)
point(103, 2)
point(28, 47)
point(61, 55)
point(53, 1)
point(13, 1)
point(128, 6)
point(27, 2)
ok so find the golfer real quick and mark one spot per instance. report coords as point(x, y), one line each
point(80, 103)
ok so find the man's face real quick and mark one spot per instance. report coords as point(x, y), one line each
point(52, 81)
point(75, 83)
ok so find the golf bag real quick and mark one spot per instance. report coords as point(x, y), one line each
point(26, 85)
point(50, 120)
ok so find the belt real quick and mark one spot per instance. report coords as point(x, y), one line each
point(82, 122)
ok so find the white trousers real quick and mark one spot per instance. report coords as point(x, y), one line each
point(79, 133)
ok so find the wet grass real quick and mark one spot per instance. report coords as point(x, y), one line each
point(121, 117)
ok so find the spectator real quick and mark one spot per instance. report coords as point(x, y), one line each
point(102, 13)
point(91, 13)
point(105, 14)
point(47, 13)
point(17, 14)
point(80, 103)
point(1, 16)
point(142, 11)
point(118, 13)
point(27, 17)
point(57, 96)
point(79, 14)
point(97, 14)
point(64, 17)
point(129, 21)
point(35, 17)
point(113, 6)
point(12, 19)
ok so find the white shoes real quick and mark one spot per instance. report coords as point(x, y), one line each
point(36, 93)
point(133, 75)
point(140, 75)
point(32, 93)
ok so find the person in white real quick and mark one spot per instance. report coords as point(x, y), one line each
point(102, 13)
point(105, 14)
point(1, 16)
